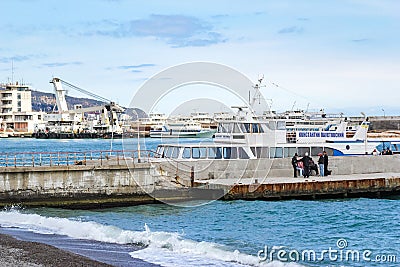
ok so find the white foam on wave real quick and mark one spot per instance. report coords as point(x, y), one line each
point(164, 248)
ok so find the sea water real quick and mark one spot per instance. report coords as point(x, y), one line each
point(352, 232)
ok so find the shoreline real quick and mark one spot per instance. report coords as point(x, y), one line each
point(22, 247)
point(15, 252)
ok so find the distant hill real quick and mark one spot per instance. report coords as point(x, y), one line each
point(42, 101)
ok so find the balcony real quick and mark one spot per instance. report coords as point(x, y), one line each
point(6, 110)
point(7, 106)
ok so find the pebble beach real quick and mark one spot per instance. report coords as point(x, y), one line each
point(14, 252)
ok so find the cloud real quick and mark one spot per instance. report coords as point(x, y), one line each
point(260, 13)
point(219, 16)
point(17, 58)
point(292, 29)
point(137, 66)
point(175, 30)
point(362, 40)
point(61, 64)
point(303, 19)
point(209, 39)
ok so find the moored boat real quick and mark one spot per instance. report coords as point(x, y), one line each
point(181, 129)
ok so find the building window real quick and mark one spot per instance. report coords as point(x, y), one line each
point(18, 96)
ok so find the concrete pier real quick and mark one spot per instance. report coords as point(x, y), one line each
point(117, 180)
point(337, 186)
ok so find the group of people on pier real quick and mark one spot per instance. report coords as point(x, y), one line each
point(303, 166)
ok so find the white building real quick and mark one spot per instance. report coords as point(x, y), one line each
point(16, 113)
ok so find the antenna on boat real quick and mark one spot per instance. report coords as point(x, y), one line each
point(12, 71)
point(240, 109)
point(257, 94)
point(294, 104)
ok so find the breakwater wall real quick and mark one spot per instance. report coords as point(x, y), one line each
point(115, 182)
point(91, 186)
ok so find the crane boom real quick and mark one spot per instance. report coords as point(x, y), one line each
point(100, 98)
point(60, 95)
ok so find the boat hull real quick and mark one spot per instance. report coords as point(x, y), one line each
point(169, 134)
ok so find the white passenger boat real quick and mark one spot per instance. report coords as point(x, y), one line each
point(181, 129)
point(253, 139)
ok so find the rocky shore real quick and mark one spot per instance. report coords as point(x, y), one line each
point(19, 253)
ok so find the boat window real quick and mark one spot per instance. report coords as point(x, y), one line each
point(276, 152)
point(265, 126)
point(203, 152)
point(186, 153)
point(247, 127)
point(281, 125)
point(255, 127)
point(272, 152)
point(272, 125)
point(219, 153)
point(302, 151)
point(329, 151)
point(195, 153)
point(175, 152)
point(222, 128)
point(242, 153)
point(229, 127)
point(234, 153)
point(159, 152)
point(262, 152)
point(214, 153)
point(260, 128)
point(253, 150)
point(396, 147)
point(168, 152)
point(316, 150)
point(289, 152)
point(236, 128)
point(227, 152)
point(242, 128)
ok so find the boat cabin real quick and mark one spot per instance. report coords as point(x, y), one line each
point(214, 151)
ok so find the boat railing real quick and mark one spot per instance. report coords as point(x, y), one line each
point(63, 158)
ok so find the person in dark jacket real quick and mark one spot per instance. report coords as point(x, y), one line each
point(306, 163)
point(313, 167)
point(294, 164)
point(326, 161)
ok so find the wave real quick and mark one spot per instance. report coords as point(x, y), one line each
point(164, 248)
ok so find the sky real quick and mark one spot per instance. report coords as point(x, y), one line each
point(340, 55)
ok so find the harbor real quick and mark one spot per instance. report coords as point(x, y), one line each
point(106, 119)
point(94, 160)
point(199, 133)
